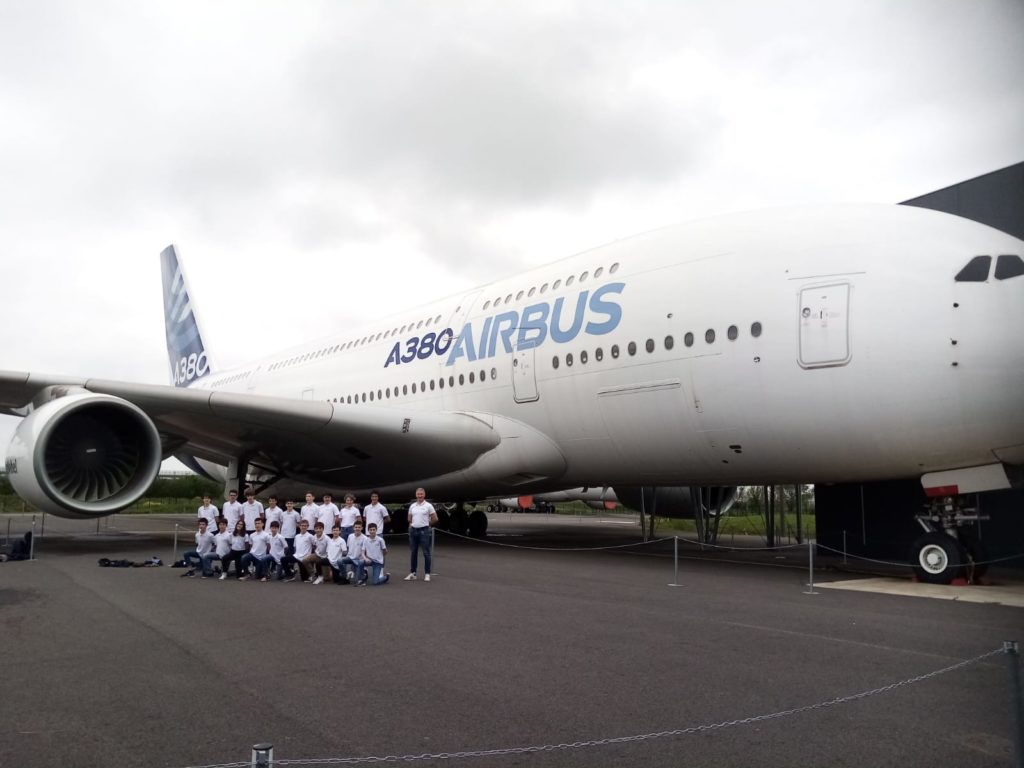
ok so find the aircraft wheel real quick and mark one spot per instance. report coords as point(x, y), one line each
point(937, 557)
point(444, 519)
point(478, 524)
point(977, 554)
point(457, 521)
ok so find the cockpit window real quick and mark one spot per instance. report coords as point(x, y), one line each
point(1009, 266)
point(976, 270)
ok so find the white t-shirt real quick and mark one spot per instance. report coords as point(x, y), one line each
point(278, 546)
point(223, 543)
point(374, 548)
point(272, 514)
point(231, 511)
point(204, 542)
point(375, 513)
point(320, 545)
point(303, 544)
point(259, 543)
point(208, 513)
point(419, 514)
point(250, 512)
point(355, 545)
point(336, 549)
point(328, 515)
point(310, 513)
point(289, 523)
point(349, 515)
point(238, 543)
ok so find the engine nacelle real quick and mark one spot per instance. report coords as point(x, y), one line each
point(675, 501)
point(84, 455)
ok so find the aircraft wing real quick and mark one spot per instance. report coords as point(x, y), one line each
point(346, 445)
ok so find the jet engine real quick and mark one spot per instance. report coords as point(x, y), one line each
point(84, 455)
point(677, 501)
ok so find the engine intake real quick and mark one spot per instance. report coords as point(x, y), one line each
point(84, 455)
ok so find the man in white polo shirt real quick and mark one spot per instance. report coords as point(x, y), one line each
point(208, 512)
point(232, 510)
point(376, 513)
point(252, 511)
point(421, 517)
point(328, 514)
point(310, 511)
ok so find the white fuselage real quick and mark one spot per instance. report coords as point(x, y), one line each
point(843, 349)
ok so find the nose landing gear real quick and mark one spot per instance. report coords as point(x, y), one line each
point(949, 547)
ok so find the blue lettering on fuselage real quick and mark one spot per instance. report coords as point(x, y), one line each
point(594, 314)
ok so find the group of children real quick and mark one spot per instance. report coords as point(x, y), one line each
point(355, 558)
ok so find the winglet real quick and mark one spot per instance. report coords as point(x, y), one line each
point(186, 351)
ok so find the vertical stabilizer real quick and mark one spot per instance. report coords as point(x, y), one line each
point(186, 351)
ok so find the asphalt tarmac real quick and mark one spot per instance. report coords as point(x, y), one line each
point(507, 647)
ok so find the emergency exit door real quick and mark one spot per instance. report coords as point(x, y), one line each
point(524, 376)
point(824, 318)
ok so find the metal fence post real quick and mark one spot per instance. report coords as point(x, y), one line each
point(1010, 647)
point(810, 567)
point(433, 549)
point(32, 543)
point(262, 755)
point(675, 558)
point(175, 558)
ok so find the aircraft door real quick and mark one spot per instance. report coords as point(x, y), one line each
point(524, 375)
point(824, 325)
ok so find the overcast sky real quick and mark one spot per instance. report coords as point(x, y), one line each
point(323, 162)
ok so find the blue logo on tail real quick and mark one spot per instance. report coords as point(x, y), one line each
point(185, 348)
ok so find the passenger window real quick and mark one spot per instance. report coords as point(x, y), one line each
point(557, 285)
point(631, 348)
point(598, 272)
point(709, 336)
point(519, 296)
point(569, 280)
point(462, 379)
point(599, 354)
point(568, 359)
point(1009, 266)
point(431, 385)
point(508, 299)
point(472, 377)
point(544, 288)
point(405, 389)
point(414, 387)
point(451, 381)
point(531, 292)
point(976, 270)
point(613, 268)
point(583, 277)
point(669, 342)
point(483, 376)
point(615, 350)
point(650, 345)
point(732, 333)
point(755, 329)
point(583, 357)
point(554, 362)
point(494, 374)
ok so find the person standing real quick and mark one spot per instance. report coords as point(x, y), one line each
point(271, 513)
point(348, 515)
point(376, 513)
point(252, 511)
point(328, 514)
point(232, 510)
point(310, 511)
point(208, 512)
point(421, 517)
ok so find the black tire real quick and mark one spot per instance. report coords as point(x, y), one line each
point(478, 524)
point(457, 522)
point(444, 519)
point(938, 558)
point(976, 563)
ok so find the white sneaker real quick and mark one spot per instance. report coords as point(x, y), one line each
point(223, 576)
point(427, 577)
point(411, 577)
point(318, 580)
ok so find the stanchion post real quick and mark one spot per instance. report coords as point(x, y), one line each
point(1013, 657)
point(175, 558)
point(433, 549)
point(675, 559)
point(32, 542)
point(810, 568)
point(262, 755)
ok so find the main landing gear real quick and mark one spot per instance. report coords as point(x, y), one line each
point(950, 547)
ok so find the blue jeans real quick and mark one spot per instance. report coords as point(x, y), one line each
point(377, 575)
point(357, 567)
point(419, 538)
point(200, 560)
point(261, 561)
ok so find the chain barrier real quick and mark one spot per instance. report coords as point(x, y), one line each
point(908, 564)
point(621, 739)
point(552, 549)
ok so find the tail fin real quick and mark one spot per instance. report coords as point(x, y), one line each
point(185, 348)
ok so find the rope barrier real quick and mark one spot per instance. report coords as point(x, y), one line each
point(908, 564)
point(704, 728)
point(551, 549)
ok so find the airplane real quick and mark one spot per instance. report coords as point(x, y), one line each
point(675, 500)
point(838, 343)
